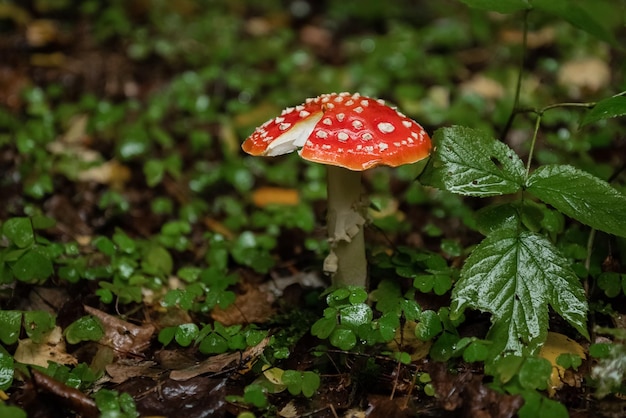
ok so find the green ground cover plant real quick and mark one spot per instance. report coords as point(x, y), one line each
point(147, 263)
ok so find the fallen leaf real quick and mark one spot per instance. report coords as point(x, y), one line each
point(534, 39)
point(125, 369)
point(52, 349)
point(555, 345)
point(122, 336)
point(265, 196)
point(584, 75)
point(40, 32)
point(484, 87)
point(110, 172)
point(239, 361)
point(253, 305)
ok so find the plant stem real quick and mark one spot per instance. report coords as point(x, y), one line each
point(346, 216)
point(518, 86)
point(533, 142)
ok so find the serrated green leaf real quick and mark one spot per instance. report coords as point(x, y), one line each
point(500, 6)
point(581, 196)
point(606, 109)
point(576, 16)
point(470, 162)
point(516, 276)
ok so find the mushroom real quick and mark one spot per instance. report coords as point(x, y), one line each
point(349, 133)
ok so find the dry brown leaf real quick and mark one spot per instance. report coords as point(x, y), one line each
point(122, 336)
point(53, 349)
point(222, 362)
point(111, 172)
point(535, 39)
point(584, 75)
point(485, 87)
point(124, 369)
point(41, 32)
point(253, 305)
point(264, 196)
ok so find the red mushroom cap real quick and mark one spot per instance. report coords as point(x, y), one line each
point(346, 130)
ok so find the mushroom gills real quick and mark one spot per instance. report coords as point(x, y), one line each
point(294, 138)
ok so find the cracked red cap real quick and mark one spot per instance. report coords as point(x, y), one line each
point(346, 130)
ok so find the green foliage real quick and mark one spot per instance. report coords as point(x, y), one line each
point(298, 382)
point(113, 404)
point(87, 328)
point(27, 258)
point(213, 339)
point(507, 273)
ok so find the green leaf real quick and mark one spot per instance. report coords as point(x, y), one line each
point(255, 395)
point(323, 327)
point(581, 196)
point(310, 383)
point(37, 324)
point(19, 231)
point(469, 162)
point(153, 170)
point(343, 338)
point(86, 328)
point(576, 16)
point(606, 109)
point(10, 325)
point(500, 6)
point(186, 333)
point(356, 315)
point(33, 266)
point(535, 373)
point(7, 370)
point(429, 326)
point(515, 276)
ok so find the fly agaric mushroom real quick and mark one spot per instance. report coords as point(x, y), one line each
point(350, 133)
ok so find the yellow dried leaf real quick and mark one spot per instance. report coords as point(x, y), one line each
point(555, 345)
point(53, 349)
point(275, 196)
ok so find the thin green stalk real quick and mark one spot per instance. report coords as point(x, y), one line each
point(533, 142)
point(518, 86)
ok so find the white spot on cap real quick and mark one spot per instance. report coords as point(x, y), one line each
point(321, 134)
point(350, 102)
point(338, 99)
point(382, 146)
point(279, 119)
point(365, 103)
point(284, 126)
point(409, 140)
point(327, 121)
point(397, 144)
point(304, 113)
point(287, 110)
point(340, 150)
point(386, 127)
point(325, 99)
point(340, 117)
point(380, 101)
point(330, 105)
point(358, 109)
point(357, 124)
point(414, 135)
point(369, 148)
point(342, 136)
point(359, 147)
point(367, 136)
point(407, 123)
point(299, 108)
point(326, 147)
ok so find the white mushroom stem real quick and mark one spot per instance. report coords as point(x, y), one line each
point(346, 262)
